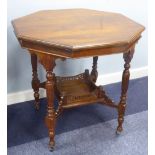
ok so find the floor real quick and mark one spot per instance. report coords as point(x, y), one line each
point(84, 130)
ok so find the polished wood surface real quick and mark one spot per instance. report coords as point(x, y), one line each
point(75, 33)
point(71, 32)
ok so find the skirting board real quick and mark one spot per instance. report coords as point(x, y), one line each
point(27, 95)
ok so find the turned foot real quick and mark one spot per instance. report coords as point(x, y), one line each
point(36, 105)
point(36, 102)
point(51, 146)
point(119, 130)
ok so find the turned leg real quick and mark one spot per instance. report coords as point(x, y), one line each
point(35, 81)
point(94, 73)
point(125, 82)
point(50, 119)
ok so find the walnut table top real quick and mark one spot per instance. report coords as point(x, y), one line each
point(77, 32)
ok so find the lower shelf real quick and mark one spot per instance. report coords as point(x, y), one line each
point(77, 90)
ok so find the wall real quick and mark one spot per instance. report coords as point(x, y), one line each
point(19, 69)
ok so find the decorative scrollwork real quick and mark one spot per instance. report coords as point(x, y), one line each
point(71, 99)
point(105, 99)
point(60, 108)
point(80, 76)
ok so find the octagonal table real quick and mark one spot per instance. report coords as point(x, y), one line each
point(76, 33)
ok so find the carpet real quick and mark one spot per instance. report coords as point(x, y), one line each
point(26, 126)
point(98, 139)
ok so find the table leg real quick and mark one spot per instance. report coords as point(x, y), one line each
point(94, 73)
point(125, 82)
point(35, 81)
point(49, 63)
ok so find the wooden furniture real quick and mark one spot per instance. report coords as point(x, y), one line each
point(76, 33)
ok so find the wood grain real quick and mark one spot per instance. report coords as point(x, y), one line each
point(74, 30)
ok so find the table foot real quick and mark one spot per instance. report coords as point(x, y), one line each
point(51, 146)
point(36, 106)
point(119, 130)
point(121, 112)
point(51, 149)
point(36, 102)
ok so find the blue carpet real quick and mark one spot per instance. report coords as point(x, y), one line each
point(98, 139)
point(25, 125)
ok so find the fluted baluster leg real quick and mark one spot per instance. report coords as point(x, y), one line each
point(35, 81)
point(125, 82)
point(94, 73)
point(49, 63)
